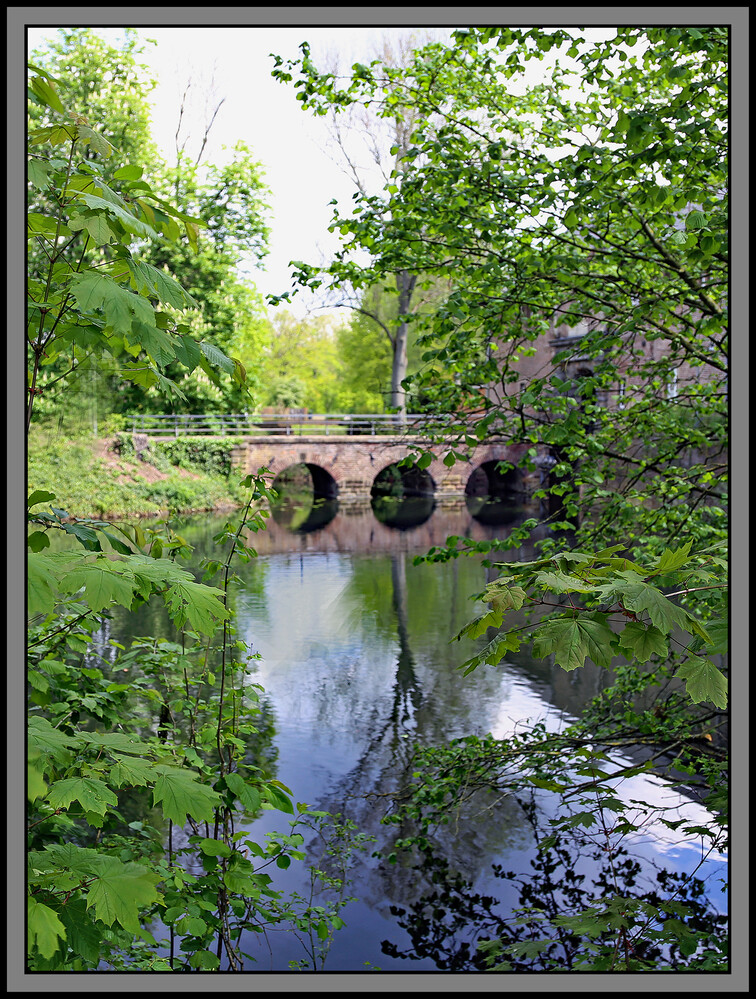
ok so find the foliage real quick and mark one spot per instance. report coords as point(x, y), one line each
point(366, 354)
point(301, 365)
point(231, 200)
point(108, 83)
point(611, 588)
point(384, 290)
point(96, 297)
point(211, 456)
point(587, 902)
point(581, 222)
point(568, 917)
point(598, 212)
point(166, 728)
point(104, 83)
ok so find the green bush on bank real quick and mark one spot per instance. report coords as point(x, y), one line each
point(193, 453)
point(86, 485)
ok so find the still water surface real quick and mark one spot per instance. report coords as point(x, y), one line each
point(357, 665)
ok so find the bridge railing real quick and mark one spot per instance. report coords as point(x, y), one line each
point(296, 423)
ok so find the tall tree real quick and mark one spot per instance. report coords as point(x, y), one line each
point(108, 83)
point(231, 199)
point(597, 209)
point(372, 148)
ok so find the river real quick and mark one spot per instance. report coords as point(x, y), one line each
point(357, 664)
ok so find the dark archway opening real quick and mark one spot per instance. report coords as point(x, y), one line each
point(494, 493)
point(403, 497)
point(307, 498)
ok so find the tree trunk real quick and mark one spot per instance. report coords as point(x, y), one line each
point(405, 283)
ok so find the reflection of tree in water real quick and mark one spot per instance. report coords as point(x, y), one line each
point(407, 693)
point(364, 794)
point(451, 918)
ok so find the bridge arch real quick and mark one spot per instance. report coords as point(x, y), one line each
point(489, 478)
point(305, 475)
point(397, 480)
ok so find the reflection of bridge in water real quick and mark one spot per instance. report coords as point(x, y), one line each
point(355, 527)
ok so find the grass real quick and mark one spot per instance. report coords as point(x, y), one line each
point(90, 480)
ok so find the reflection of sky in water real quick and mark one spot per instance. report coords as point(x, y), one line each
point(353, 679)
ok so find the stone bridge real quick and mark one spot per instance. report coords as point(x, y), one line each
point(346, 467)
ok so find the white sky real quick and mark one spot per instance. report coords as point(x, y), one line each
point(300, 164)
point(291, 144)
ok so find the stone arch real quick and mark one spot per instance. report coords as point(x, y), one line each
point(488, 479)
point(323, 484)
point(395, 480)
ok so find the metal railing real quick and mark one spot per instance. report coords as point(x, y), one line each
point(291, 422)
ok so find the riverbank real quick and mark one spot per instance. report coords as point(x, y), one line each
point(99, 478)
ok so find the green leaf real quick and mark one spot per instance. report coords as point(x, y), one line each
point(93, 795)
point(673, 559)
point(35, 783)
point(187, 351)
point(44, 928)
point(205, 960)
point(49, 228)
point(492, 654)
point(248, 796)
point(480, 625)
point(82, 934)
point(120, 890)
point(45, 740)
point(194, 926)
point(128, 221)
point(695, 220)
point(196, 603)
point(39, 496)
point(563, 582)
point(85, 535)
point(180, 794)
point(214, 848)
point(153, 341)
point(129, 772)
point(93, 139)
point(278, 799)
point(95, 291)
point(40, 585)
point(643, 641)
point(103, 582)
point(37, 541)
point(150, 280)
point(217, 358)
point(128, 172)
point(664, 614)
point(47, 94)
point(719, 634)
point(97, 225)
point(38, 174)
point(574, 640)
point(704, 682)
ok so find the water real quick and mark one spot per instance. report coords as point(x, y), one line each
point(357, 664)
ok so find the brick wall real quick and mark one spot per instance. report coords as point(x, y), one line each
point(354, 463)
